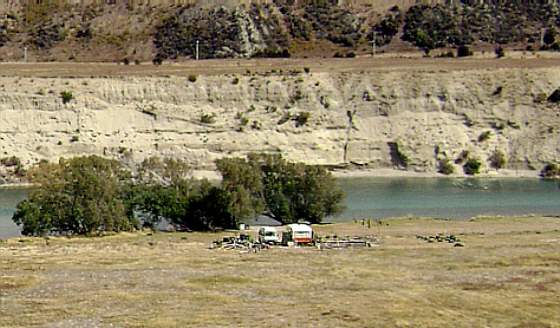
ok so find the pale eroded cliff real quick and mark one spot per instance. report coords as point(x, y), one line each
point(354, 118)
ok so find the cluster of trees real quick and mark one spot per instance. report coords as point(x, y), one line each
point(92, 195)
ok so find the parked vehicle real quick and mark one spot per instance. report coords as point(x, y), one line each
point(298, 233)
point(269, 235)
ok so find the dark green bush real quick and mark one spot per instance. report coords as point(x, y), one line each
point(66, 96)
point(550, 171)
point(472, 166)
point(484, 136)
point(398, 157)
point(302, 118)
point(446, 167)
point(207, 118)
point(192, 78)
point(497, 160)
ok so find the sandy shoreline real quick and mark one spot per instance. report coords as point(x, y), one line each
point(392, 173)
point(363, 173)
point(16, 185)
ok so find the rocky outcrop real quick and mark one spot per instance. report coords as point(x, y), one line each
point(409, 120)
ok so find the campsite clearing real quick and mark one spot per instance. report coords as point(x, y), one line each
point(508, 274)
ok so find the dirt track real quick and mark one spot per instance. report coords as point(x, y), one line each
point(240, 66)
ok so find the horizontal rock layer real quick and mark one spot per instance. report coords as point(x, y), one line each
point(317, 118)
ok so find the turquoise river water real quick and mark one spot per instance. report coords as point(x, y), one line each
point(396, 197)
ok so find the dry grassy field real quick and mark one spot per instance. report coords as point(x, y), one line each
point(278, 66)
point(507, 275)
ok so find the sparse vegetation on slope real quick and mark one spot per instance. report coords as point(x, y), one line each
point(69, 31)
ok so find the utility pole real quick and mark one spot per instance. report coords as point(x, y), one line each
point(197, 42)
point(373, 43)
point(25, 54)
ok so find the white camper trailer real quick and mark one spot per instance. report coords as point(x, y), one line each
point(298, 233)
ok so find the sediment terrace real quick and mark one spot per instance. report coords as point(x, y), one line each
point(363, 112)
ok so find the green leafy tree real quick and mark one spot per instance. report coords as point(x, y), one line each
point(209, 209)
point(163, 189)
point(242, 180)
point(285, 191)
point(83, 195)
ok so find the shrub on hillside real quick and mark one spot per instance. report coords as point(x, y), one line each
point(484, 136)
point(472, 166)
point(497, 160)
point(550, 171)
point(398, 157)
point(66, 96)
point(446, 167)
point(207, 118)
point(302, 118)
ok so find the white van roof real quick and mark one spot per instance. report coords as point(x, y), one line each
point(300, 227)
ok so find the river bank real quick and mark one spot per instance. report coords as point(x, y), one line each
point(394, 173)
point(381, 195)
point(508, 267)
point(357, 173)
